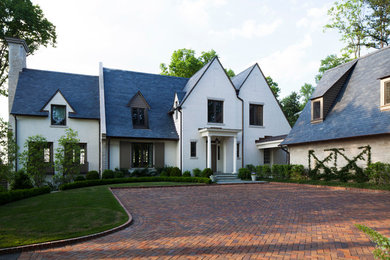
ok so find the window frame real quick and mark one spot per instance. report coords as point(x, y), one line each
point(385, 83)
point(269, 155)
point(214, 108)
point(321, 116)
point(138, 125)
point(51, 115)
point(253, 121)
point(145, 163)
point(191, 146)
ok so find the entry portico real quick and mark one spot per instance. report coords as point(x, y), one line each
point(223, 134)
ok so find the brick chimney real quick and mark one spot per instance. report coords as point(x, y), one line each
point(17, 62)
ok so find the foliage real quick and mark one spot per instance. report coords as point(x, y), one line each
point(79, 178)
point(244, 174)
point(164, 174)
point(143, 172)
point(378, 173)
point(92, 175)
point(118, 174)
point(297, 172)
point(206, 173)
point(8, 151)
point(305, 92)
point(330, 62)
point(68, 155)
point(185, 64)
point(382, 250)
point(197, 172)
point(108, 174)
point(22, 19)
point(21, 181)
point(187, 174)
point(251, 167)
point(274, 86)
point(32, 159)
point(14, 195)
point(280, 171)
point(175, 172)
point(291, 107)
point(88, 183)
point(378, 23)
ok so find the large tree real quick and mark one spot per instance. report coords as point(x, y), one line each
point(331, 61)
point(306, 91)
point(274, 86)
point(22, 19)
point(291, 107)
point(378, 23)
point(185, 64)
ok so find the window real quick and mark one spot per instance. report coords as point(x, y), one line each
point(385, 94)
point(193, 149)
point(238, 150)
point(83, 153)
point(267, 156)
point(176, 111)
point(139, 117)
point(316, 110)
point(142, 155)
point(41, 152)
point(215, 111)
point(58, 115)
point(256, 115)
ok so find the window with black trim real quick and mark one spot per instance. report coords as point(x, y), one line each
point(238, 150)
point(142, 155)
point(215, 111)
point(256, 115)
point(41, 152)
point(193, 149)
point(316, 110)
point(267, 156)
point(58, 115)
point(139, 116)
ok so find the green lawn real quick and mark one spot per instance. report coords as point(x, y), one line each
point(64, 214)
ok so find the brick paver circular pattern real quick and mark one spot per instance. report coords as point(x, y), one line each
point(268, 221)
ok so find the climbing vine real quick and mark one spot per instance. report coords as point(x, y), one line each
point(344, 173)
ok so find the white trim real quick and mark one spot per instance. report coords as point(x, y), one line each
point(321, 118)
point(269, 144)
point(384, 106)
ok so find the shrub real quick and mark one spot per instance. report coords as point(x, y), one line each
point(164, 174)
point(143, 172)
point(378, 173)
point(92, 175)
point(382, 250)
point(244, 174)
point(79, 178)
point(259, 171)
point(251, 167)
point(298, 172)
point(118, 174)
point(89, 183)
point(187, 174)
point(124, 171)
point(276, 171)
point(108, 174)
point(267, 171)
point(175, 172)
point(197, 172)
point(21, 181)
point(206, 173)
point(15, 195)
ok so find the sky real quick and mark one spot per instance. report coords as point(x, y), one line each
point(285, 37)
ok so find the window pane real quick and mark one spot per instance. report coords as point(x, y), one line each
point(46, 155)
point(267, 156)
point(142, 155)
point(256, 114)
point(387, 93)
point(211, 114)
point(238, 150)
point(316, 110)
point(215, 111)
point(58, 115)
point(193, 149)
point(219, 111)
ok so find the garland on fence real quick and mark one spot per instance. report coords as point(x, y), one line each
point(344, 172)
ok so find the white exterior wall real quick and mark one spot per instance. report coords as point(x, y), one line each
point(170, 151)
point(213, 85)
point(255, 90)
point(88, 132)
point(380, 150)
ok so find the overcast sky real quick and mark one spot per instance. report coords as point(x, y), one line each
point(285, 37)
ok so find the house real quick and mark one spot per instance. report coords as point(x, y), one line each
point(128, 119)
point(348, 111)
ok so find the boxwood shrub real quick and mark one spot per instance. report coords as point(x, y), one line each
point(14, 195)
point(92, 175)
point(244, 173)
point(108, 174)
point(206, 173)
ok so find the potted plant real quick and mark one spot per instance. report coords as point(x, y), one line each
point(253, 176)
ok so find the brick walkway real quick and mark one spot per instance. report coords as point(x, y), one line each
point(261, 221)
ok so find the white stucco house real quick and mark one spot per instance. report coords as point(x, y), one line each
point(128, 119)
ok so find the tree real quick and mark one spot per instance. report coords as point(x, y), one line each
point(306, 91)
point(185, 64)
point(22, 19)
point(274, 86)
point(331, 61)
point(8, 151)
point(291, 107)
point(68, 155)
point(378, 23)
point(33, 159)
point(348, 18)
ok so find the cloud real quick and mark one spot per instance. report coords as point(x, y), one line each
point(250, 29)
point(315, 18)
point(196, 11)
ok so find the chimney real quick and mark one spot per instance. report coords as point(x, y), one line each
point(17, 62)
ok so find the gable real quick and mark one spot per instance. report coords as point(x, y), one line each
point(139, 101)
point(58, 99)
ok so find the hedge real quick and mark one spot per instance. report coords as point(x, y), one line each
point(87, 183)
point(14, 195)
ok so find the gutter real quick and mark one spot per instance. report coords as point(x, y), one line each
point(16, 141)
point(181, 138)
point(242, 131)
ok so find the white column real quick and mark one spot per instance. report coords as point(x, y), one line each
point(209, 152)
point(234, 154)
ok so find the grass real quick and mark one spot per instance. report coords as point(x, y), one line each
point(64, 214)
point(365, 185)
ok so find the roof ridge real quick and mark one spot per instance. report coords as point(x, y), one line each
point(146, 73)
point(60, 72)
point(244, 70)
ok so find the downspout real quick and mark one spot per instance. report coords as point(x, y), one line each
point(181, 138)
point(287, 152)
point(100, 149)
point(108, 152)
point(16, 141)
point(242, 129)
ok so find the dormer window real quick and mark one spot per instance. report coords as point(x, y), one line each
point(316, 110)
point(385, 94)
point(139, 117)
point(139, 111)
point(58, 115)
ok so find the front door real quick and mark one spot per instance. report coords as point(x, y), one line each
point(214, 157)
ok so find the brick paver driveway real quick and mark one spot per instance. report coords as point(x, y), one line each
point(239, 221)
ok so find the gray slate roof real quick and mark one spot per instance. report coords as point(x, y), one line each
point(239, 79)
point(36, 87)
point(158, 90)
point(356, 110)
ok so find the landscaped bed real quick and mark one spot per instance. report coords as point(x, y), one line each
point(65, 214)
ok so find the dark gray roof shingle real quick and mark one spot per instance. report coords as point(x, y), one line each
point(239, 79)
point(356, 110)
point(36, 87)
point(158, 90)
